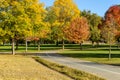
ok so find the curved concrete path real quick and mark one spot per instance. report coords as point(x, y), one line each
point(106, 71)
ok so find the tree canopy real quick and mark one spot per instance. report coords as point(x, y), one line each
point(112, 16)
point(93, 20)
point(78, 30)
point(18, 18)
point(65, 11)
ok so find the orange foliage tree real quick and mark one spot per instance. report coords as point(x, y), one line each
point(78, 30)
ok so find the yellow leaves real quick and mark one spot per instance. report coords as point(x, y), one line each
point(56, 23)
point(66, 10)
point(56, 10)
point(14, 3)
point(3, 13)
point(1, 31)
point(4, 3)
point(34, 8)
point(42, 30)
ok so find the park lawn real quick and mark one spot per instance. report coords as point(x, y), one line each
point(25, 68)
point(95, 55)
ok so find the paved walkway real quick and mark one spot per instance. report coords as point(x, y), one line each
point(106, 71)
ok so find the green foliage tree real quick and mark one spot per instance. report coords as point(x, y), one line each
point(54, 25)
point(94, 20)
point(108, 34)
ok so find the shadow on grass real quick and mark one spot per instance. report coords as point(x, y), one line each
point(5, 50)
point(93, 49)
point(89, 55)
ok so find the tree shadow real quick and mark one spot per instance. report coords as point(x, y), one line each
point(90, 55)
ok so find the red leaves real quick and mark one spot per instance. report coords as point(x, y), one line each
point(112, 16)
point(113, 12)
point(78, 30)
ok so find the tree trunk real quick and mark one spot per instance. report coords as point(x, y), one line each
point(80, 46)
point(118, 44)
point(110, 51)
point(57, 43)
point(38, 45)
point(97, 43)
point(26, 48)
point(13, 48)
point(63, 44)
point(93, 44)
point(3, 42)
point(17, 43)
point(109, 35)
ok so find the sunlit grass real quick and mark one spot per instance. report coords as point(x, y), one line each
point(95, 55)
point(26, 68)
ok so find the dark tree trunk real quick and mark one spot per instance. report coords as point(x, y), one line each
point(38, 45)
point(97, 43)
point(3, 42)
point(93, 44)
point(26, 48)
point(80, 46)
point(118, 44)
point(17, 44)
point(109, 51)
point(13, 46)
point(57, 43)
point(63, 44)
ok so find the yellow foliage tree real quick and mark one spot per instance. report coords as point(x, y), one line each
point(65, 11)
point(40, 28)
point(21, 18)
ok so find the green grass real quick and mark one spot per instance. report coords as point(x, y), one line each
point(31, 48)
point(95, 55)
point(73, 73)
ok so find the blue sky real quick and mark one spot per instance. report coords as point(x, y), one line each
point(95, 6)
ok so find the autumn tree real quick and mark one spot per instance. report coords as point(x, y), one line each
point(65, 11)
point(40, 27)
point(20, 17)
point(113, 15)
point(94, 21)
point(15, 22)
point(111, 26)
point(51, 17)
point(108, 32)
point(56, 33)
point(78, 30)
point(41, 32)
